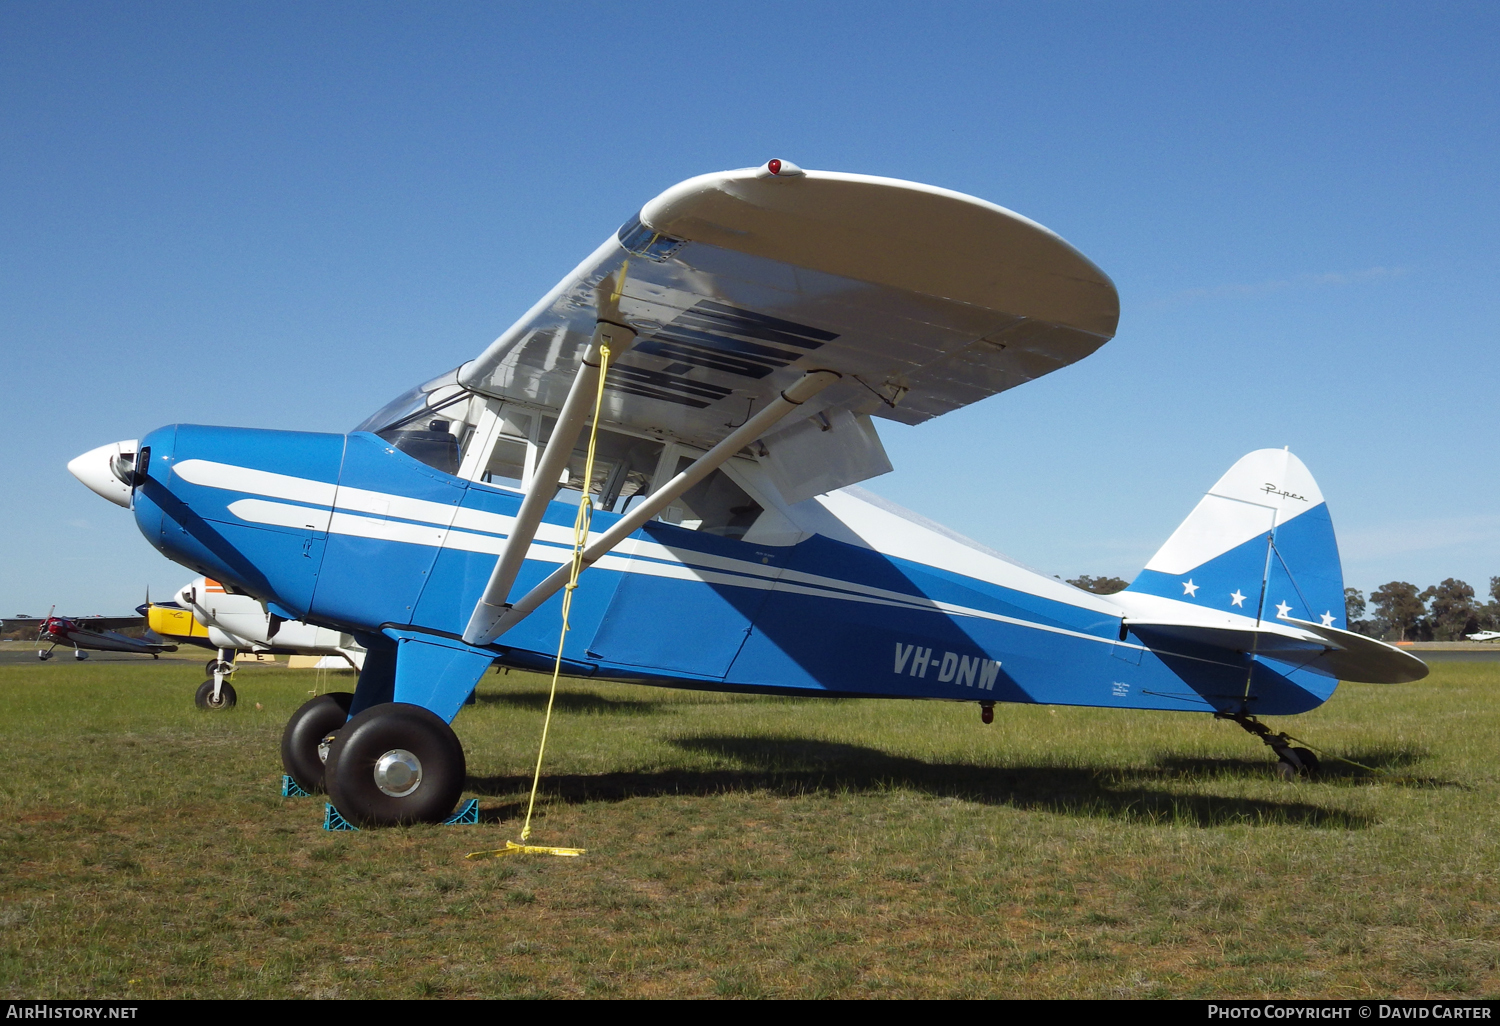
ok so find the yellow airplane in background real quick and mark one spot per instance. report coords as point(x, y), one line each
point(204, 613)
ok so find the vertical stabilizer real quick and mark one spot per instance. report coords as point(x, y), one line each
point(1260, 543)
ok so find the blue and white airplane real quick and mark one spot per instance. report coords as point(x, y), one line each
point(756, 321)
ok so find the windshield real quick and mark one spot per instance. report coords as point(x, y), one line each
point(413, 402)
point(426, 422)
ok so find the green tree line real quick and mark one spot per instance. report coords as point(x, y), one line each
point(1443, 612)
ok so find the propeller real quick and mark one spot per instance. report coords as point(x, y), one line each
point(41, 628)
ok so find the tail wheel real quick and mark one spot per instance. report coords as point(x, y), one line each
point(1309, 761)
point(394, 764)
point(1306, 765)
point(303, 742)
point(204, 699)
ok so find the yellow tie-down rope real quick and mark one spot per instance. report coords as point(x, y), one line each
point(580, 541)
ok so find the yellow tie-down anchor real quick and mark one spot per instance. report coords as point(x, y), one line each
point(512, 848)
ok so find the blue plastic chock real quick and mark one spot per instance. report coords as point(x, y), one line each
point(291, 789)
point(467, 815)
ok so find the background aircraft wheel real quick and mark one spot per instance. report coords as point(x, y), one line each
point(304, 735)
point(44, 656)
point(204, 699)
point(80, 655)
point(213, 664)
point(395, 763)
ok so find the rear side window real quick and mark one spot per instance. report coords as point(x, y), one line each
point(715, 505)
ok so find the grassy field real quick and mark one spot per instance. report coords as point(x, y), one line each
point(753, 847)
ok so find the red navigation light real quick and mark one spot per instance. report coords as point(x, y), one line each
point(774, 166)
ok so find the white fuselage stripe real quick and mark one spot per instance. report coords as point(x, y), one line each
point(358, 513)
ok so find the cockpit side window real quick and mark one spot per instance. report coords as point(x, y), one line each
point(431, 441)
point(502, 449)
point(623, 465)
point(499, 443)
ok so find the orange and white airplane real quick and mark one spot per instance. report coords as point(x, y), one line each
point(205, 613)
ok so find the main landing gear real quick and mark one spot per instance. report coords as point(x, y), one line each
point(1291, 763)
point(217, 693)
point(395, 764)
point(308, 735)
point(206, 698)
point(391, 765)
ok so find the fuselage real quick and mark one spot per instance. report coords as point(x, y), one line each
point(347, 532)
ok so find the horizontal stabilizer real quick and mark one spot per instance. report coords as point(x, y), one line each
point(1366, 660)
point(1329, 651)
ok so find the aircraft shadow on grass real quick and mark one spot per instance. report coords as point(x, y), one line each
point(1365, 766)
point(797, 766)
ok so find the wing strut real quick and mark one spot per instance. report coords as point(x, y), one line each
point(810, 385)
point(575, 411)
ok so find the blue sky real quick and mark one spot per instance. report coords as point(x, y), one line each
point(282, 215)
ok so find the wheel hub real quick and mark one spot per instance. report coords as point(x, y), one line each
point(323, 747)
point(398, 773)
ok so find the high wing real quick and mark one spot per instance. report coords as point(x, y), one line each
point(922, 299)
point(108, 623)
point(94, 623)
